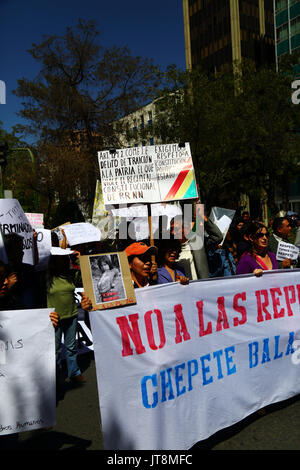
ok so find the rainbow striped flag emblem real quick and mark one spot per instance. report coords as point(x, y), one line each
point(184, 187)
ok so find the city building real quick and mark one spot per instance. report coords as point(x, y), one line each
point(287, 27)
point(220, 32)
point(134, 123)
point(287, 41)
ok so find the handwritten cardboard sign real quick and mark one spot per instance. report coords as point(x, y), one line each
point(155, 173)
point(36, 220)
point(81, 232)
point(14, 220)
point(44, 247)
point(287, 250)
point(27, 370)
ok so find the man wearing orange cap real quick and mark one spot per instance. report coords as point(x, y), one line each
point(142, 264)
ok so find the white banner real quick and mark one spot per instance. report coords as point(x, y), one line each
point(27, 371)
point(188, 361)
point(154, 173)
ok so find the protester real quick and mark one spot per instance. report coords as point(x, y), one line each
point(194, 245)
point(221, 262)
point(238, 229)
point(281, 232)
point(168, 271)
point(26, 286)
point(141, 265)
point(61, 294)
point(257, 258)
point(246, 216)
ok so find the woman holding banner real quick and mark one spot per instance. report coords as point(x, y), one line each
point(257, 258)
point(142, 266)
point(168, 271)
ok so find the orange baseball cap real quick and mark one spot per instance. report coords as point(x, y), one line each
point(139, 248)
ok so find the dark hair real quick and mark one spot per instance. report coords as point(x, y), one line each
point(164, 246)
point(54, 239)
point(52, 271)
point(277, 223)
point(104, 259)
point(251, 231)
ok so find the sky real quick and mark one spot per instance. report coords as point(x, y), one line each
point(151, 29)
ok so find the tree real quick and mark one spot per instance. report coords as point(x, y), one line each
point(17, 174)
point(240, 123)
point(81, 90)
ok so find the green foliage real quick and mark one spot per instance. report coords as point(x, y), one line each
point(241, 127)
point(82, 88)
point(18, 175)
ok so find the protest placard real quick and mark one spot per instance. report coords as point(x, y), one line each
point(44, 245)
point(14, 220)
point(27, 371)
point(190, 360)
point(287, 250)
point(81, 232)
point(222, 217)
point(36, 220)
point(147, 174)
point(107, 280)
point(59, 233)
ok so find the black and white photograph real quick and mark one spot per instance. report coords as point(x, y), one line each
point(107, 278)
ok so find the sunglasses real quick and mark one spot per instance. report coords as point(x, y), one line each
point(261, 235)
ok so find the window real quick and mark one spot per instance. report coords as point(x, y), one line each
point(295, 26)
point(281, 5)
point(282, 33)
point(142, 122)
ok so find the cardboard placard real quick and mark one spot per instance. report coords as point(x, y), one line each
point(36, 220)
point(81, 232)
point(155, 173)
point(107, 280)
point(27, 370)
point(287, 250)
point(44, 247)
point(14, 220)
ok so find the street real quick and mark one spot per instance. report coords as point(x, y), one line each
point(78, 424)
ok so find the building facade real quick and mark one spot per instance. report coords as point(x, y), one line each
point(287, 27)
point(220, 32)
point(287, 41)
point(133, 124)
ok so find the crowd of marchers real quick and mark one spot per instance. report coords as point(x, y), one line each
point(185, 252)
